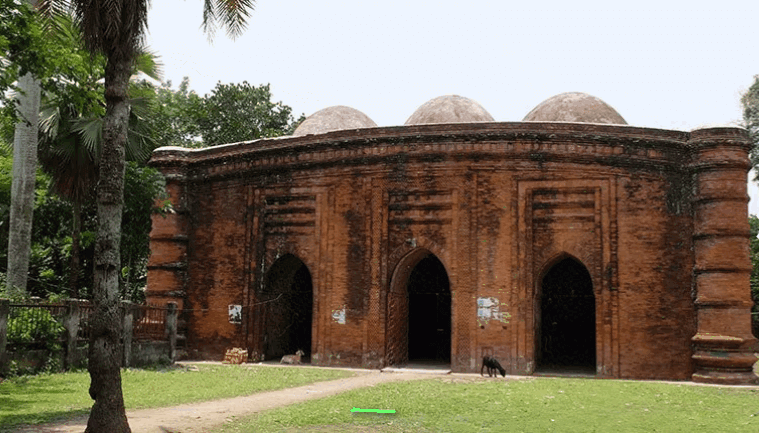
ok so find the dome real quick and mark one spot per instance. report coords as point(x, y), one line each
point(334, 119)
point(574, 107)
point(449, 109)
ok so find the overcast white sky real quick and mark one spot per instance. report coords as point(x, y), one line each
point(660, 64)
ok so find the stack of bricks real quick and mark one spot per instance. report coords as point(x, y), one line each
point(236, 355)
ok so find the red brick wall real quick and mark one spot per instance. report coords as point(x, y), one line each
point(496, 203)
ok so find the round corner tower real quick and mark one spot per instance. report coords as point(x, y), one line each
point(724, 346)
point(167, 266)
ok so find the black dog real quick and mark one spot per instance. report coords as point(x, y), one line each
point(492, 364)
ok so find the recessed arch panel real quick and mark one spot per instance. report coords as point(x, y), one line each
point(419, 311)
point(565, 318)
point(286, 307)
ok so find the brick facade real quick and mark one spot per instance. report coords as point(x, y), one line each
point(317, 238)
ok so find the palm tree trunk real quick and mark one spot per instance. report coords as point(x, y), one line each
point(76, 232)
point(105, 351)
point(22, 188)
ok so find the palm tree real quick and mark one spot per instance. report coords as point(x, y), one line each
point(116, 28)
point(71, 125)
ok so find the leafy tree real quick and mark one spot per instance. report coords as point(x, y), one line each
point(241, 112)
point(6, 170)
point(144, 193)
point(174, 115)
point(50, 262)
point(750, 103)
point(115, 29)
point(753, 222)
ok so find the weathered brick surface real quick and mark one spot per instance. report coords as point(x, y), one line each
point(656, 217)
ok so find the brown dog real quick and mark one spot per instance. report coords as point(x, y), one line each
point(492, 364)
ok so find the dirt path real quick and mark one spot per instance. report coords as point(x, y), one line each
point(201, 417)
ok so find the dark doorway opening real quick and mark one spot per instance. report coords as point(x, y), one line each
point(287, 309)
point(429, 317)
point(567, 334)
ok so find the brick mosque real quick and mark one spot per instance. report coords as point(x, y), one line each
point(568, 242)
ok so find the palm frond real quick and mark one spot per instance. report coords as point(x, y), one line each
point(140, 142)
point(50, 119)
point(113, 26)
point(149, 63)
point(231, 14)
point(50, 9)
point(90, 130)
point(209, 18)
point(64, 26)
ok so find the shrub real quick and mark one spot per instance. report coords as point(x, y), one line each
point(34, 328)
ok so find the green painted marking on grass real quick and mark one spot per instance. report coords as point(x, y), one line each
point(355, 409)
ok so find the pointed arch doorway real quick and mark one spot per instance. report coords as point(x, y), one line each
point(419, 312)
point(287, 308)
point(566, 320)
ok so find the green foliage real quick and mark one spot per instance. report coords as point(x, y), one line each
point(34, 327)
point(51, 53)
point(6, 175)
point(144, 194)
point(242, 112)
point(174, 114)
point(19, 30)
point(51, 247)
point(750, 103)
point(753, 222)
point(230, 113)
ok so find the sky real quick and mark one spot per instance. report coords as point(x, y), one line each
point(660, 64)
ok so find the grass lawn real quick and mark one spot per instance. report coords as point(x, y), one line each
point(531, 405)
point(40, 399)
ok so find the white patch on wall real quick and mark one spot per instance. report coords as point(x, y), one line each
point(490, 309)
point(235, 314)
point(339, 315)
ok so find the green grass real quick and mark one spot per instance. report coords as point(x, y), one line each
point(533, 405)
point(43, 398)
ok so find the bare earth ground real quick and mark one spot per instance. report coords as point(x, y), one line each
point(200, 417)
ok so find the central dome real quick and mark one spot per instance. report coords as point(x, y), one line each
point(334, 118)
point(449, 109)
point(574, 107)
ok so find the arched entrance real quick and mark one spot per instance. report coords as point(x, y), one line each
point(286, 307)
point(419, 311)
point(566, 338)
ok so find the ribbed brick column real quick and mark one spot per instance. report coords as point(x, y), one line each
point(723, 346)
point(167, 266)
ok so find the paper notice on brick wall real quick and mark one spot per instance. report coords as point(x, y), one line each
point(485, 308)
point(339, 316)
point(235, 314)
point(489, 309)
